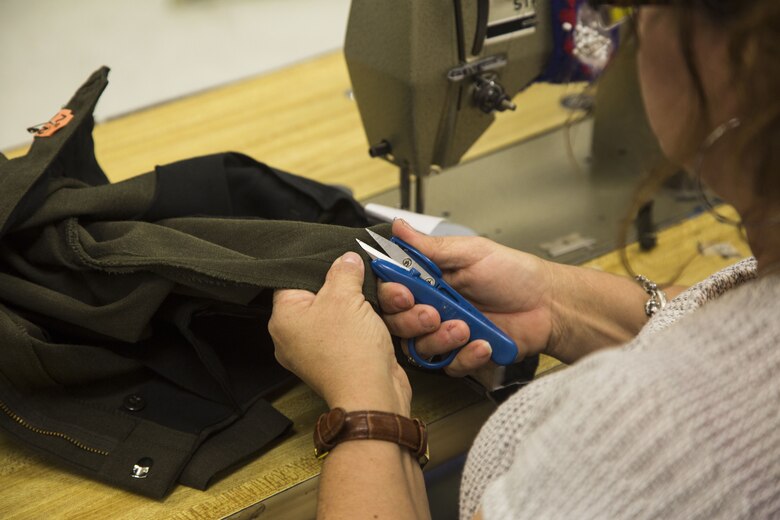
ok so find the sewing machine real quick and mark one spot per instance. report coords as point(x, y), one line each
point(519, 181)
point(428, 77)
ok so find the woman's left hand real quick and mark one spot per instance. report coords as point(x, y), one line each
point(338, 345)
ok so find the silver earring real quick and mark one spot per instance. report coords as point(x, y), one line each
point(708, 143)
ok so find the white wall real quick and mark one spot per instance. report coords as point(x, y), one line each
point(157, 49)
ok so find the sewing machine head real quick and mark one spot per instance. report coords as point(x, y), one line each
point(428, 76)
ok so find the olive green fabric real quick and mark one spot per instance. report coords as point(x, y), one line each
point(137, 336)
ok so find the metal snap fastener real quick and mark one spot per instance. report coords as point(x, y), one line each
point(134, 403)
point(142, 467)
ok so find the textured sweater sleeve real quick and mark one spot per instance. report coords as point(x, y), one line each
point(683, 424)
point(595, 453)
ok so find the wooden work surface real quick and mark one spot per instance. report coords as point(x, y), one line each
point(300, 119)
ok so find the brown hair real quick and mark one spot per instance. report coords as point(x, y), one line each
point(755, 60)
point(752, 28)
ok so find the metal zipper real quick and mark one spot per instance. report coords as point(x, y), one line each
point(4, 407)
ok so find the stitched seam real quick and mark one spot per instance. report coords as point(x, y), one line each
point(206, 276)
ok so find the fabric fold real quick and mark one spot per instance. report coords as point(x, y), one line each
point(140, 308)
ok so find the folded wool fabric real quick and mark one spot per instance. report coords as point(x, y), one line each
point(133, 316)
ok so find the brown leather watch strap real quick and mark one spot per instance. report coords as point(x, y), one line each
point(337, 426)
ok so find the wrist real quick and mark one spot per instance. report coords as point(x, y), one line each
point(338, 426)
point(389, 397)
point(559, 280)
point(352, 403)
point(591, 310)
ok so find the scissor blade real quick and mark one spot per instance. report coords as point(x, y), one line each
point(399, 255)
point(374, 254)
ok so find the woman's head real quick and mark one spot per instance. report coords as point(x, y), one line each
point(702, 63)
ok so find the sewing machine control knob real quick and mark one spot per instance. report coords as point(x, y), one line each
point(489, 95)
point(380, 149)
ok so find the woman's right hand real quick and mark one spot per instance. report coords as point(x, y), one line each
point(513, 290)
point(560, 310)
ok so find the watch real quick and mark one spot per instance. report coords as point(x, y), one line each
point(338, 425)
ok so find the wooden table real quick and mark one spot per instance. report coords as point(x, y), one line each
point(301, 119)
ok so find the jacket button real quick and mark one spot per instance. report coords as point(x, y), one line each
point(134, 403)
point(142, 467)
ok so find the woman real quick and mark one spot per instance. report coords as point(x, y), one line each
point(674, 423)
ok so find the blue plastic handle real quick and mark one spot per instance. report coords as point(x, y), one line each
point(418, 257)
point(434, 270)
point(451, 306)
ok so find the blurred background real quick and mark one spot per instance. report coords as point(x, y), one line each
point(157, 49)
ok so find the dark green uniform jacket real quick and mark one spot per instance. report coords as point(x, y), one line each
point(133, 315)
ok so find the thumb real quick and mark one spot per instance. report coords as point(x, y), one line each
point(443, 251)
point(291, 300)
point(426, 244)
point(345, 276)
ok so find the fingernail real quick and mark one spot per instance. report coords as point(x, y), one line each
point(425, 319)
point(351, 257)
point(401, 302)
point(460, 337)
point(404, 223)
point(484, 350)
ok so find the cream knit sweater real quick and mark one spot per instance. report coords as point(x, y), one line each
point(683, 422)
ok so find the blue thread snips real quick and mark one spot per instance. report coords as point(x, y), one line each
point(402, 263)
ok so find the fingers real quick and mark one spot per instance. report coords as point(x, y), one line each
point(471, 358)
point(284, 297)
point(431, 247)
point(407, 320)
point(394, 297)
point(345, 276)
point(448, 253)
point(449, 336)
point(417, 321)
point(402, 316)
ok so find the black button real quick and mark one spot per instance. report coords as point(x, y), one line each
point(134, 403)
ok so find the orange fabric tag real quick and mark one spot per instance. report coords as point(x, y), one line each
point(60, 120)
